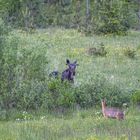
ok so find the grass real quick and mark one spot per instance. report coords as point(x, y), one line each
point(60, 44)
point(78, 125)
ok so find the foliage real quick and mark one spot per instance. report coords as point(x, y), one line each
point(24, 116)
point(130, 52)
point(112, 17)
point(3, 29)
point(8, 63)
point(97, 51)
point(64, 95)
point(99, 88)
point(22, 73)
point(136, 97)
point(59, 95)
point(115, 16)
point(33, 56)
point(32, 78)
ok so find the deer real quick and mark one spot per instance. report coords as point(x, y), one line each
point(69, 73)
point(112, 112)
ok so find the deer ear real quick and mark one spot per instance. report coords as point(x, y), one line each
point(75, 62)
point(67, 61)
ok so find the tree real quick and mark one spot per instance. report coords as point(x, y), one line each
point(110, 16)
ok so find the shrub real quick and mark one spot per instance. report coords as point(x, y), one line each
point(9, 73)
point(22, 74)
point(130, 52)
point(3, 115)
point(7, 63)
point(136, 97)
point(31, 78)
point(65, 95)
point(3, 28)
point(99, 88)
point(3, 33)
point(62, 93)
point(138, 47)
point(23, 116)
point(97, 51)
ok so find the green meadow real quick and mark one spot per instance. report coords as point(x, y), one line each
point(60, 44)
point(76, 125)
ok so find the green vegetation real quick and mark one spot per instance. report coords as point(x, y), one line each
point(36, 38)
point(136, 97)
point(114, 76)
point(96, 16)
point(76, 125)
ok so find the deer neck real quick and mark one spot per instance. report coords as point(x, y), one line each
point(103, 108)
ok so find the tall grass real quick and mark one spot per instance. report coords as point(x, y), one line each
point(61, 44)
point(79, 125)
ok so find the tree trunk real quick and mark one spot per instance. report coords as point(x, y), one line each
point(87, 10)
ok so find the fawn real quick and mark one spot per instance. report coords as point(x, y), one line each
point(112, 112)
point(69, 73)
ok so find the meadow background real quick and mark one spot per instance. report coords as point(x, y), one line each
point(35, 40)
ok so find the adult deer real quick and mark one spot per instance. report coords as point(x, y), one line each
point(112, 112)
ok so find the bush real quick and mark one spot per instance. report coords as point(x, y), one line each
point(4, 30)
point(3, 33)
point(8, 78)
point(8, 50)
point(97, 51)
point(65, 95)
point(62, 93)
point(22, 74)
point(130, 52)
point(99, 88)
point(136, 97)
point(31, 78)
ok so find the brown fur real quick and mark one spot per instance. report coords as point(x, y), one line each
point(112, 112)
